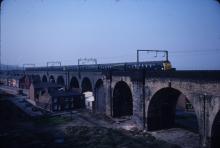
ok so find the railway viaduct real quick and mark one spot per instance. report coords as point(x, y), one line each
point(149, 98)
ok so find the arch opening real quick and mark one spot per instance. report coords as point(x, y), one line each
point(86, 85)
point(100, 103)
point(215, 135)
point(51, 79)
point(74, 84)
point(36, 79)
point(88, 93)
point(169, 108)
point(60, 81)
point(122, 100)
point(44, 79)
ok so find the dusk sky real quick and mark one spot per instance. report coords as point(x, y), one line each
point(37, 31)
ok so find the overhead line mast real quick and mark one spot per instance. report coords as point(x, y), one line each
point(156, 51)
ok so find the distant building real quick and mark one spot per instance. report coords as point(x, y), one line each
point(183, 104)
point(89, 100)
point(26, 81)
point(10, 81)
point(52, 97)
point(61, 100)
point(37, 89)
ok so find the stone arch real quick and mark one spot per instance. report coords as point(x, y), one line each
point(36, 79)
point(60, 80)
point(122, 100)
point(52, 79)
point(87, 90)
point(44, 78)
point(100, 102)
point(74, 83)
point(215, 134)
point(86, 85)
point(162, 109)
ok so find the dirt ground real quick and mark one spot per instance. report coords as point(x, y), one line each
point(82, 129)
point(184, 138)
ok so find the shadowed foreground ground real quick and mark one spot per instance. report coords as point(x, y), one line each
point(17, 130)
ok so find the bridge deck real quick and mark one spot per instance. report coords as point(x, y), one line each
point(134, 69)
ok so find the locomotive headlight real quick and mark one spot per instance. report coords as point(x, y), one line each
point(167, 65)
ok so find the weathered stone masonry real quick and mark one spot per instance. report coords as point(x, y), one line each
point(203, 91)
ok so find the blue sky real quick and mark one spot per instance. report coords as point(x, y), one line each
point(37, 31)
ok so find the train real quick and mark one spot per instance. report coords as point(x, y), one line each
point(147, 65)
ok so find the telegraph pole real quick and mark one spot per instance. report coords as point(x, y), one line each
point(0, 35)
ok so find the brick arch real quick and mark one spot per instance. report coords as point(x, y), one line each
point(52, 79)
point(36, 78)
point(74, 83)
point(154, 86)
point(122, 100)
point(60, 80)
point(86, 84)
point(161, 108)
point(44, 78)
point(127, 80)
